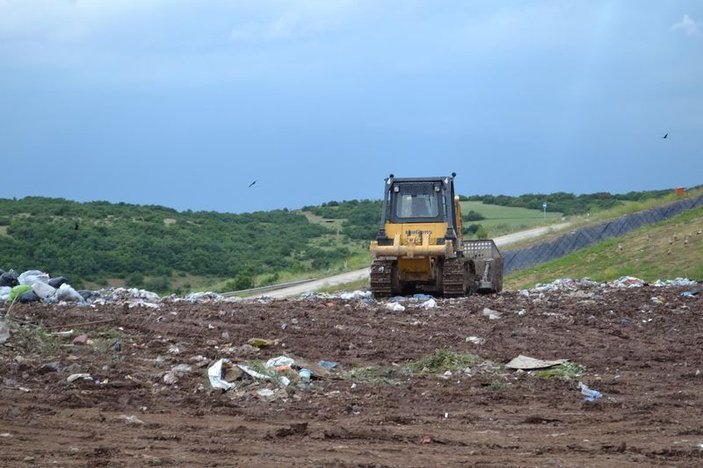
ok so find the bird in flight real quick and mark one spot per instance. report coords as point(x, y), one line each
point(251, 184)
point(665, 136)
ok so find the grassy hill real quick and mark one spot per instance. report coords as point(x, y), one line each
point(500, 220)
point(668, 249)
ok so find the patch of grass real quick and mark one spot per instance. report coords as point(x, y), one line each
point(274, 375)
point(500, 220)
point(564, 371)
point(443, 360)
point(374, 374)
point(33, 338)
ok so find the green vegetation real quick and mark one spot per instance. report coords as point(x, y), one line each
point(372, 374)
point(30, 338)
point(667, 249)
point(566, 203)
point(153, 247)
point(356, 219)
point(499, 220)
point(565, 371)
point(442, 360)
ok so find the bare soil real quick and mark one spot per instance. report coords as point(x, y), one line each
point(644, 355)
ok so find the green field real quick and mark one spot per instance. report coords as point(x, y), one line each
point(502, 220)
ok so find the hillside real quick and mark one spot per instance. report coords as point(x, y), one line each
point(164, 250)
point(669, 249)
point(156, 247)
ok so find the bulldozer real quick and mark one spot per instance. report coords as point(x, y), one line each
point(420, 248)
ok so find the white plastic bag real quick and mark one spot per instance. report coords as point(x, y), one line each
point(68, 294)
point(33, 276)
point(214, 373)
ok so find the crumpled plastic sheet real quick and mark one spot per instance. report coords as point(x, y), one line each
point(33, 276)
point(627, 282)
point(429, 304)
point(676, 282)
point(348, 296)
point(214, 374)
point(395, 307)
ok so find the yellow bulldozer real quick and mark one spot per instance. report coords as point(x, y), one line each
point(419, 245)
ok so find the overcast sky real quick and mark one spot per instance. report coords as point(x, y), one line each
point(185, 103)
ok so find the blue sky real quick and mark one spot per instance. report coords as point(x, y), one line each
point(185, 103)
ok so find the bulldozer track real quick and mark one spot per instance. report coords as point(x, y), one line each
point(381, 278)
point(453, 279)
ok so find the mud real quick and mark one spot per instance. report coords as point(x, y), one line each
point(644, 355)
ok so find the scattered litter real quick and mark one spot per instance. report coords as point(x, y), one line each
point(328, 364)
point(279, 363)
point(43, 290)
point(215, 375)
point(691, 293)
point(201, 297)
point(74, 377)
point(528, 363)
point(676, 282)
point(658, 300)
point(33, 276)
point(589, 395)
point(265, 392)
point(305, 374)
point(422, 297)
point(395, 307)
point(130, 419)
point(182, 369)
point(58, 281)
point(475, 340)
point(491, 314)
point(348, 296)
point(9, 278)
point(259, 343)
point(68, 294)
point(251, 372)
point(170, 378)
point(627, 282)
point(28, 297)
point(4, 332)
point(429, 304)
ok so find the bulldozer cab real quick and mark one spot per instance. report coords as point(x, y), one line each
point(419, 205)
point(417, 201)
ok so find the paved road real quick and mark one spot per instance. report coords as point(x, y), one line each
point(357, 275)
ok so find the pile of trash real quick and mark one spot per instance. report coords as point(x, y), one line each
point(35, 286)
point(278, 372)
point(563, 284)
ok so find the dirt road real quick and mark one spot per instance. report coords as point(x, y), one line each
point(375, 409)
point(362, 274)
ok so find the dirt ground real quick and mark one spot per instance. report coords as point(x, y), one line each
point(645, 355)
